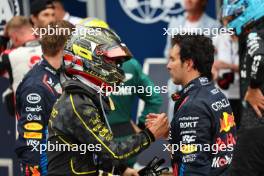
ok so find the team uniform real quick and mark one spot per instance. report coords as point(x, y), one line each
point(78, 118)
point(248, 25)
point(203, 121)
point(17, 62)
point(252, 127)
point(252, 74)
point(14, 64)
point(35, 97)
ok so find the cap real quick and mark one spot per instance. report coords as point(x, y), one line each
point(37, 6)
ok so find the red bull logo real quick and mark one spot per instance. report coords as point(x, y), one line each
point(227, 122)
point(35, 171)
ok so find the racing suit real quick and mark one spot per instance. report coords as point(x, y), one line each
point(203, 132)
point(35, 97)
point(16, 63)
point(120, 118)
point(250, 135)
point(78, 119)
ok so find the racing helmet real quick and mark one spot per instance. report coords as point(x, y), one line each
point(242, 13)
point(94, 55)
point(93, 22)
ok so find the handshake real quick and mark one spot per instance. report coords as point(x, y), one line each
point(158, 124)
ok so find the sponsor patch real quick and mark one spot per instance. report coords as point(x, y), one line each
point(217, 106)
point(188, 124)
point(33, 117)
point(35, 170)
point(54, 113)
point(189, 158)
point(189, 148)
point(32, 142)
point(33, 109)
point(32, 135)
point(34, 126)
point(33, 98)
point(227, 122)
point(188, 138)
point(221, 161)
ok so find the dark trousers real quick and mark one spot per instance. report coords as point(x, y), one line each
point(248, 158)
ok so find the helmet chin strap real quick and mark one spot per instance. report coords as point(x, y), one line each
point(104, 114)
point(97, 89)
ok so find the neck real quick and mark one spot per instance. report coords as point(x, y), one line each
point(190, 77)
point(55, 61)
point(194, 16)
point(28, 38)
point(21, 37)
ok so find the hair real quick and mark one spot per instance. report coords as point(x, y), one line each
point(39, 5)
point(59, 2)
point(199, 49)
point(51, 44)
point(17, 22)
point(205, 4)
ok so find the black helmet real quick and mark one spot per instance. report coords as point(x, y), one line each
point(96, 54)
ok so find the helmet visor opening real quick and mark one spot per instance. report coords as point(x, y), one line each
point(113, 52)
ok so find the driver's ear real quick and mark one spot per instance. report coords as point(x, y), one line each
point(189, 64)
point(14, 39)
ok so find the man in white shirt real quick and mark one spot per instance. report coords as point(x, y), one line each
point(194, 17)
point(226, 67)
point(16, 62)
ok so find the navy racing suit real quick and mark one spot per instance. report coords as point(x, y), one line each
point(35, 97)
point(203, 131)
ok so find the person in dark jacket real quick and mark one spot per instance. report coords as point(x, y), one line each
point(246, 17)
point(92, 65)
point(35, 97)
point(124, 96)
point(203, 133)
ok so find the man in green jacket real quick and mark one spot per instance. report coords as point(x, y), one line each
point(136, 84)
